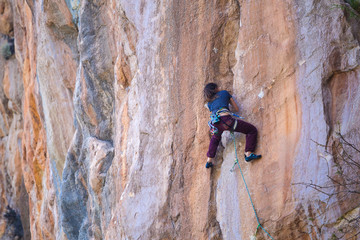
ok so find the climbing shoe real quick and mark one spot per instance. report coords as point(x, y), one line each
point(251, 157)
point(209, 164)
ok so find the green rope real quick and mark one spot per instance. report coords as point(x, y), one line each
point(247, 189)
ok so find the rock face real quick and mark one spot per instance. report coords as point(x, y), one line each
point(103, 133)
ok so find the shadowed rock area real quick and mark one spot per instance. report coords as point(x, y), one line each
point(103, 130)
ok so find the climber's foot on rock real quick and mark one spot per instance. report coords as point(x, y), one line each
point(209, 164)
point(251, 156)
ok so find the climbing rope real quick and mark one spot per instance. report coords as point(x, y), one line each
point(247, 189)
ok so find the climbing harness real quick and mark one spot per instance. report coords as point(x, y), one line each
point(247, 189)
point(215, 118)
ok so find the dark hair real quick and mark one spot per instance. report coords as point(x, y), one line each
point(210, 91)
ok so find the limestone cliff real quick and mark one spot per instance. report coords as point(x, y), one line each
point(103, 133)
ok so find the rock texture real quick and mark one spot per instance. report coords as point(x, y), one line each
point(103, 133)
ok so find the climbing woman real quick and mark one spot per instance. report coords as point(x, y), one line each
point(222, 120)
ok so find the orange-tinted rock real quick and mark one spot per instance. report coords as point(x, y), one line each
point(6, 18)
point(43, 101)
point(102, 117)
point(265, 88)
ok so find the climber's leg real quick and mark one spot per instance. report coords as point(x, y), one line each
point(214, 143)
point(251, 134)
point(251, 138)
point(215, 140)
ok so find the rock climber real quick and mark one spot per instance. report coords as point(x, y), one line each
point(222, 120)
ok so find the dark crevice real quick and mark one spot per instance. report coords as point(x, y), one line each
point(327, 101)
point(223, 45)
point(222, 60)
point(223, 51)
point(14, 228)
point(8, 49)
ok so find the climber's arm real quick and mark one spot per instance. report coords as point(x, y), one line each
point(234, 105)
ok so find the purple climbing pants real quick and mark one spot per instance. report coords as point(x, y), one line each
point(227, 123)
